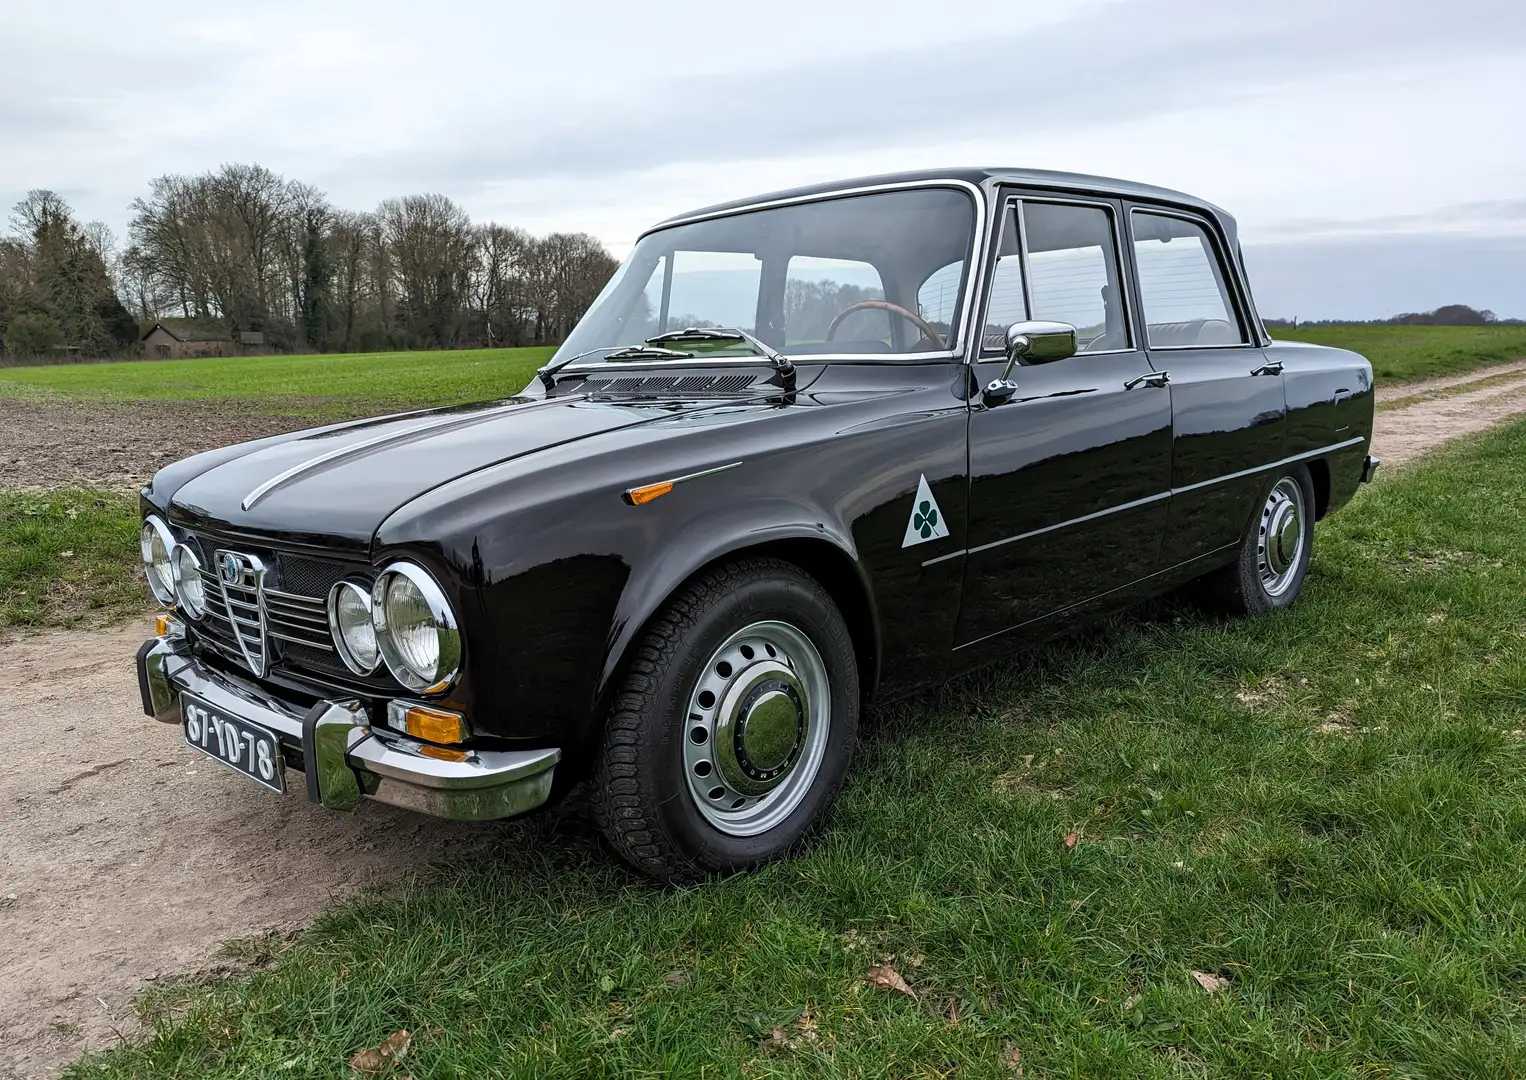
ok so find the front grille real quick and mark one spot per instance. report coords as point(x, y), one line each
point(275, 613)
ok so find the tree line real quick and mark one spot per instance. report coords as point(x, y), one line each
point(1446, 315)
point(254, 251)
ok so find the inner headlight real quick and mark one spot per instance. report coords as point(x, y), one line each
point(353, 629)
point(415, 629)
point(155, 543)
point(185, 567)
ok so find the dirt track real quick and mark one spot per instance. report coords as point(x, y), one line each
point(130, 857)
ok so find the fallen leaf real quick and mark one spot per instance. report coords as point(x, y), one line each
point(619, 1033)
point(887, 978)
point(1015, 1061)
point(66, 554)
point(777, 1041)
point(1070, 840)
point(374, 1061)
point(678, 978)
point(1212, 983)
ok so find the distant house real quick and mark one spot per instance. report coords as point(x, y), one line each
point(173, 339)
point(178, 338)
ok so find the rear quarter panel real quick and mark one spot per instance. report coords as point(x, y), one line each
point(1330, 403)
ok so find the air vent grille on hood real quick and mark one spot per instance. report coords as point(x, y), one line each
point(641, 386)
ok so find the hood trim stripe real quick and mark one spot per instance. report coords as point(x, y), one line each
point(285, 477)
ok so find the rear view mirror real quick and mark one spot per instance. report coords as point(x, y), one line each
point(1033, 342)
point(1039, 342)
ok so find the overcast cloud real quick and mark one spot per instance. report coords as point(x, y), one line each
point(1372, 151)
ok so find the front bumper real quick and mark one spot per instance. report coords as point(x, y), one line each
point(342, 756)
point(1370, 468)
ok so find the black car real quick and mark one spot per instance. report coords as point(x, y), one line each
point(805, 451)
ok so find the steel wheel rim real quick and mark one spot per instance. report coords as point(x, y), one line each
point(1280, 540)
point(756, 729)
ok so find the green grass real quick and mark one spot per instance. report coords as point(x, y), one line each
point(355, 383)
point(342, 382)
point(1326, 807)
point(69, 556)
point(1403, 353)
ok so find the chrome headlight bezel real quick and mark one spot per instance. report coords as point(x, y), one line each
point(448, 634)
point(190, 587)
point(159, 571)
point(342, 643)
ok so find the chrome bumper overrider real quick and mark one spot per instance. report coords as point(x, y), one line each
point(343, 757)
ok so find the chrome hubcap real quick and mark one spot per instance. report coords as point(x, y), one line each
point(757, 728)
point(1279, 546)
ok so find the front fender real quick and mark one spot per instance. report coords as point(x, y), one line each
point(773, 523)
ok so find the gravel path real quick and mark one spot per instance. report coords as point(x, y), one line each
point(126, 857)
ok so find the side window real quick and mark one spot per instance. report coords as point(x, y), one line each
point(1182, 285)
point(938, 295)
point(817, 290)
point(1073, 272)
point(723, 284)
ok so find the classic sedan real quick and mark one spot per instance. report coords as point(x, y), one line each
point(806, 451)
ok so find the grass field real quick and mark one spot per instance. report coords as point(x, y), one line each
point(1320, 815)
point(353, 383)
point(336, 381)
point(1403, 353)
point(69, 556)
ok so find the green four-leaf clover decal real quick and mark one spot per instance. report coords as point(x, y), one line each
point(925, 520)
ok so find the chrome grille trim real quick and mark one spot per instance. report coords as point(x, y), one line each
point(240, 582)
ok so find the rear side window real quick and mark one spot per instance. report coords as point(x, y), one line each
point(1182, 284)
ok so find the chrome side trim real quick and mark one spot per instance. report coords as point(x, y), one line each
point(1306, 455)
point(975, 260)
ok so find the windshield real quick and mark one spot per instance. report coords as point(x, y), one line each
point(862, 274)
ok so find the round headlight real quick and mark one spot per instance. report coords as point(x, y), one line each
point(350, 623)
point(155, 543)
point(189, 585)
point(415, 629)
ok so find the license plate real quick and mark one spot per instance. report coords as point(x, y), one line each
point(238, 744)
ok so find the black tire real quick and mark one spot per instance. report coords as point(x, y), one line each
point(642, 797)
point(1243, 588)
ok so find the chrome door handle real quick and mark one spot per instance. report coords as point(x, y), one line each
point(1271, 367)
point(1154, 378)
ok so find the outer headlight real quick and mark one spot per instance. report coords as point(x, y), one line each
point(354, 631)
point(415, 629)
point(190, 587)
point(155, 543)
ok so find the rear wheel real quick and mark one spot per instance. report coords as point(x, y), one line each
point(734, 728)
point(1274, 557)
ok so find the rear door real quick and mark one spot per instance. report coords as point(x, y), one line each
point(1069, 480)
point(1227, 403)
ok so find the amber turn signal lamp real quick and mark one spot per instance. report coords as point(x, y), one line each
point(424, 722)
point(442, 753)
point(642, 495)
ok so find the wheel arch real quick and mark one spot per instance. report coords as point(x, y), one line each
point(1319, 475)
point(829, 560)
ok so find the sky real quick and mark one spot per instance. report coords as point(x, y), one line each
point(1373, 151)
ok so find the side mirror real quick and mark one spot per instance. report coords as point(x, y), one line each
point(1037, 342)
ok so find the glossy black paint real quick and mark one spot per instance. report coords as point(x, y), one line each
point(1062, 502)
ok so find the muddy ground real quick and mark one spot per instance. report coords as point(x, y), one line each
point(126, 857)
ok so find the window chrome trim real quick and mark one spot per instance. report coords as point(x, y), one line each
point(974, 259)
point(1239, 290)
point(1306, 455)
point(1113, 208)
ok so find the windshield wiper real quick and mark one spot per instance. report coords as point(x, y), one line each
point(782, 364)
point(646, 352)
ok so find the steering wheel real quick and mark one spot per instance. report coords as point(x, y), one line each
point(928, 333)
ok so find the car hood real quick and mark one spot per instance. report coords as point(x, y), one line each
point(332, 487)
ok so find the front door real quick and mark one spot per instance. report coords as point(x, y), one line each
point(1069, 479)
point(1228, 405)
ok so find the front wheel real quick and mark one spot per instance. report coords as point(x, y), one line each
point(1274, 557)
point(734, 727)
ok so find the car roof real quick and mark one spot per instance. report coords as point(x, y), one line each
point(1030, 178)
